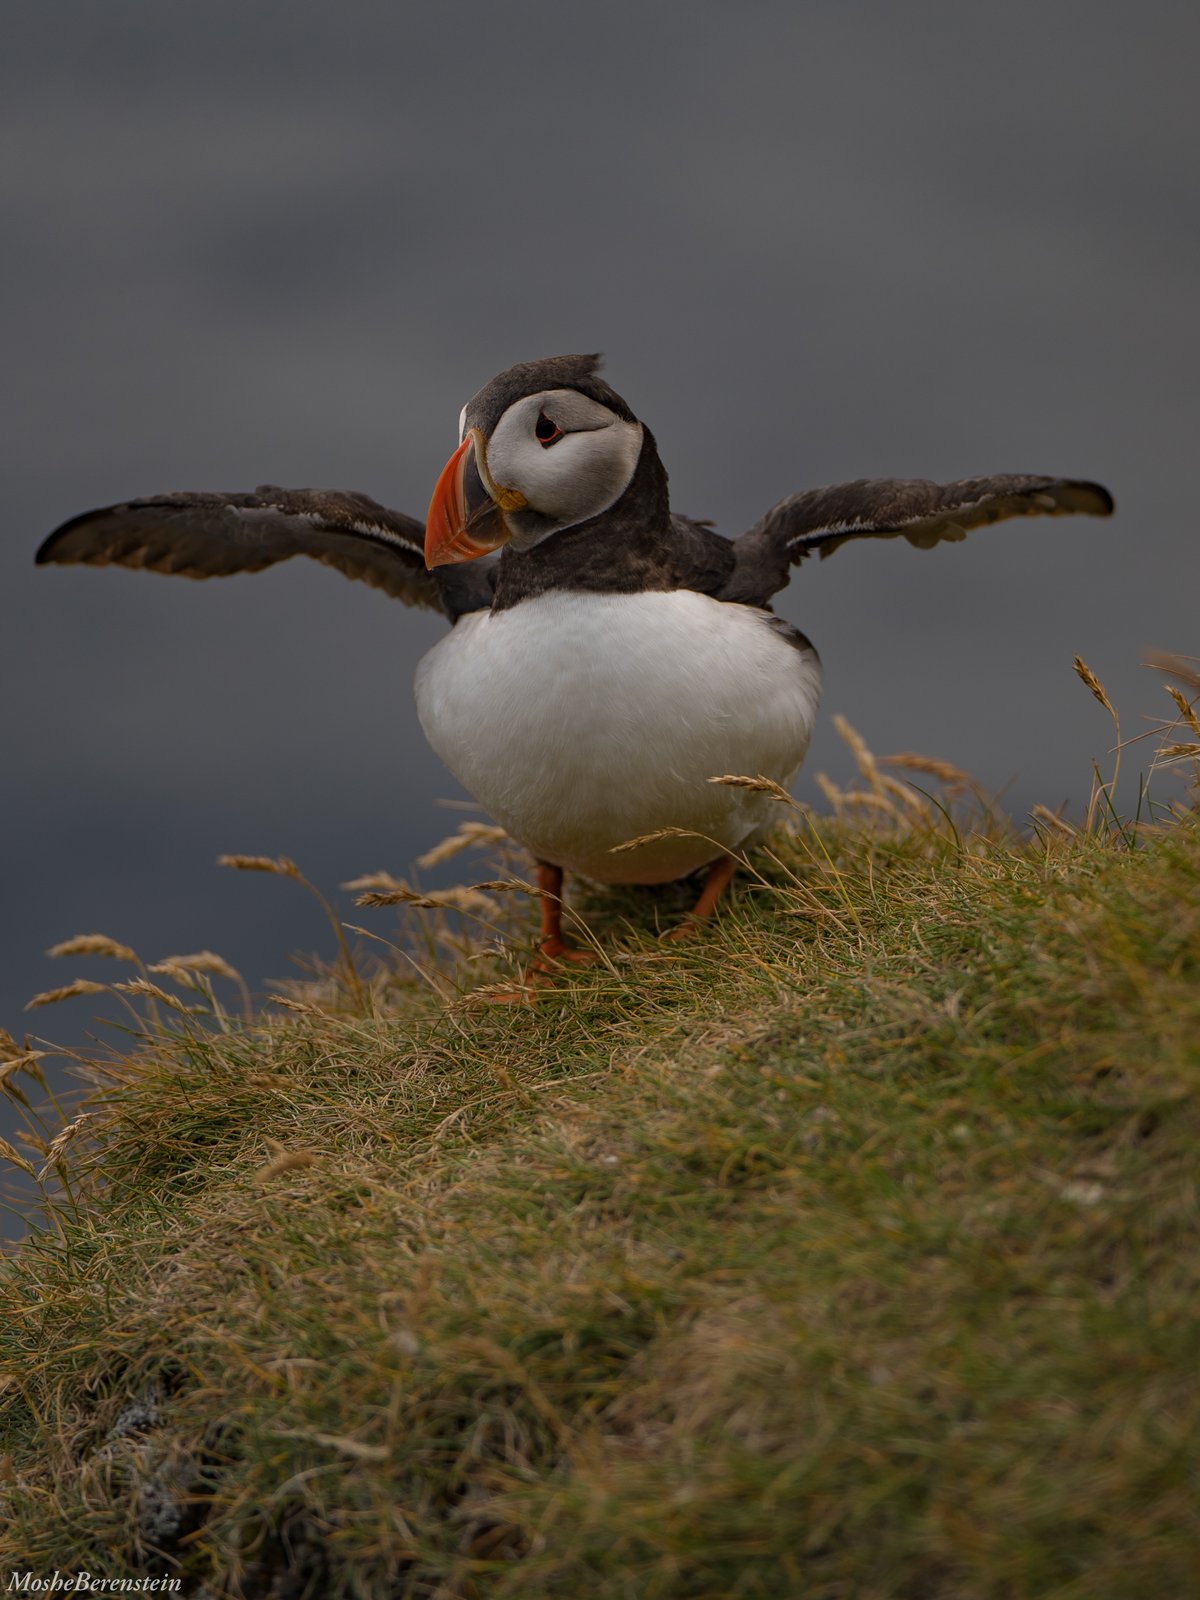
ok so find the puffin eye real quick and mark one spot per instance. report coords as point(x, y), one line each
point(547, 432)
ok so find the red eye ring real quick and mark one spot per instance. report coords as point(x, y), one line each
point(547, 432)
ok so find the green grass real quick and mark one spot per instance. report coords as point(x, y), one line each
point(848, 1252)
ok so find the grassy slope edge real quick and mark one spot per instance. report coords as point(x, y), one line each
point(848, 1252)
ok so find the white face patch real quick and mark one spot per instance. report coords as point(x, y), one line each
point(462, 424)
point(584, 468)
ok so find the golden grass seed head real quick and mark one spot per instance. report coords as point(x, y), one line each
point(93, 944)
point(283, 866)
point(757, 785)
point(1185, 669)
point(206, 961)
point(11, 1153)
point(1184, 706)
point(383, 882)
point(26, 1061)
point(512, 886)
point(51, 997)
point(468, 834)
point(285, 1161)
point(653, 838)
point(304, 1007)
point(867, 801)
point(859, 749)
point(460, 897)
point(1043, 814)
point(1093, 683)
point(835, 796)
point(60, 1142)
point(944, 771)
point(143, 986)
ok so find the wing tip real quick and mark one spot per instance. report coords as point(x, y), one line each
point(47, 554)
point(49, 551)
point(1105, 504)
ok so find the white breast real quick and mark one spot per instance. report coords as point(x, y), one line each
point(579, 721)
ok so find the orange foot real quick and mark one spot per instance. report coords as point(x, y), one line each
point(715, 884)
point(552, 947)
point(555, 949)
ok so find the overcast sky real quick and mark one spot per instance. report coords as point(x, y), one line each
point(284, 242)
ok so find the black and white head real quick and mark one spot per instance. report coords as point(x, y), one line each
point(545, 446)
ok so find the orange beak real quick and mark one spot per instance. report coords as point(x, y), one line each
point(464, 520)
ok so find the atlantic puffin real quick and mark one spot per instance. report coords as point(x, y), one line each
point(615, 656)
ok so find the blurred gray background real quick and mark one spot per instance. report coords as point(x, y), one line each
point(816, 241)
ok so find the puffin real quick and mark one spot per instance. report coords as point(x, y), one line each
point(607, 658)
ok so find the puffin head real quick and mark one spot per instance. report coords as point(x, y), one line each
point(545, 446)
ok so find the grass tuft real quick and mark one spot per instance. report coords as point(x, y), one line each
point(846, 1251)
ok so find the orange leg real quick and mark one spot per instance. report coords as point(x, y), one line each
point(715, 885)
point(552, 946)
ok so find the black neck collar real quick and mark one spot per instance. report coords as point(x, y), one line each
point(623, 550)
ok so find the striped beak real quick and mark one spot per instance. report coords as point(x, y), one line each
point(465, 520)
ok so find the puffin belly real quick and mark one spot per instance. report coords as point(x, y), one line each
point(580, 721)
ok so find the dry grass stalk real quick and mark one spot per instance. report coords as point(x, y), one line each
point(352, 1448)
point(1101, 795)
point(282, 866)
point(384, 882)
point(1093, 682)
point(16, 1058)
point(653, 838)
point(1178, 752)
point(93, 944)
point(60, 1142)
point(152, 991)
point(284, 1161)
point(905, 793)
point(28, 1061)
point(830, 790)
point(459, 897)
point(512, 886)
point(305, 1007)
point(857, 745)
point(1042, 813)
point(1184, 706)
point(944, 771)
point(11, 1153)
point(206, 961)
point(468, 834)
point(758, 785)
point(868, 801)
point(467, 897)
point(1186, 669)
point(51, 997)
point(9, 1069)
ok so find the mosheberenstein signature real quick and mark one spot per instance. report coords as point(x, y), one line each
point(58, 1582)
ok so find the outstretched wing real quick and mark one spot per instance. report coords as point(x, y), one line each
point(922, 512)
point(212, 535)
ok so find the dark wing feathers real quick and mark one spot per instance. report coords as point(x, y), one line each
point(212, 535)
point(922, 512)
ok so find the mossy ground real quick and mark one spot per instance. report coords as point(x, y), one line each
point(847, 1251)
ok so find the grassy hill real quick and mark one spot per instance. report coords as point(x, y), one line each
point(847, 1251)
